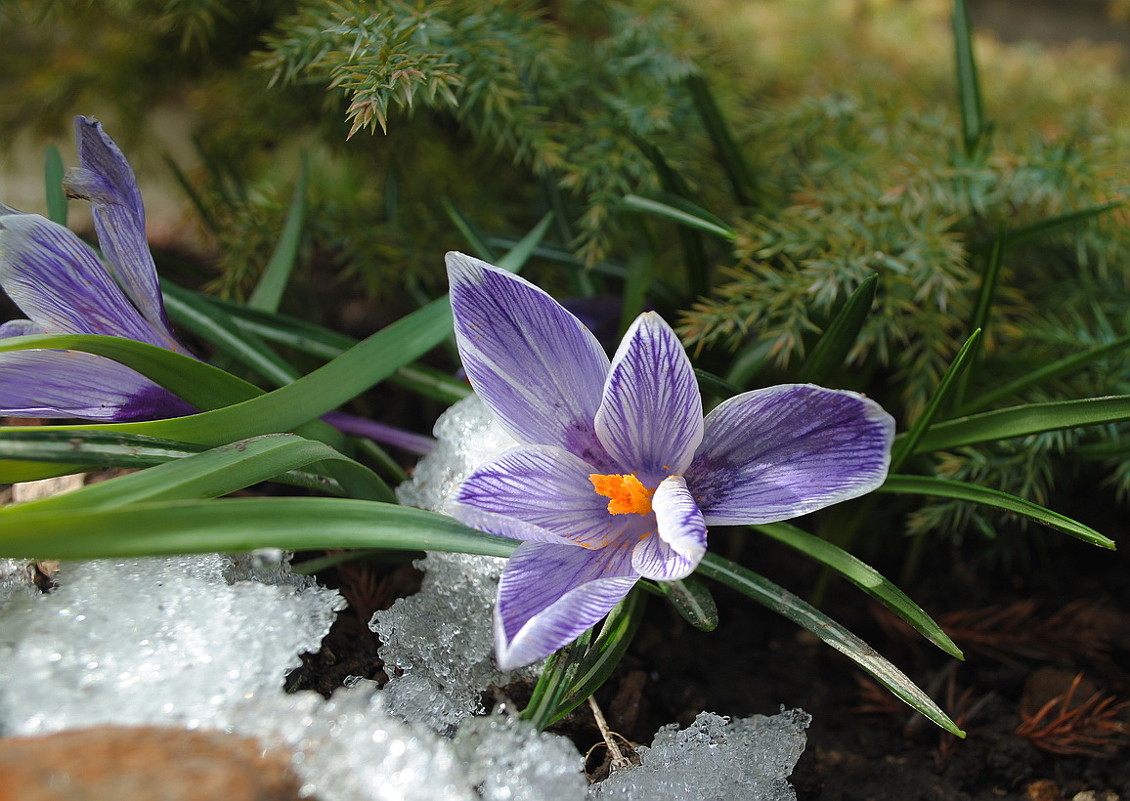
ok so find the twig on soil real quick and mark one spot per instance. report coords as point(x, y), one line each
point(1004, 633)
point(1092, 728)
point(619, 760)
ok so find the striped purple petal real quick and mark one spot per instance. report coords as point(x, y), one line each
point(785, 451)
point(533, 363)
point(549, 594)
point(58, 282)
point(539, 494)
point(650, 419)
point(677, 542)
point(106, 179)
point(59, 383)
point(20, 328)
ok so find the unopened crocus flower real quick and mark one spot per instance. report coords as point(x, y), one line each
point(63, 288)
point(618, 476)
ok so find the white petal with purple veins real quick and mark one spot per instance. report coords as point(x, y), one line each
point(59, 383)
point(549, 594)
point(650, 418)
point(20, 328)
point(540, 494)
point(676, 547)
point(532, 362)
point(58, 282)
point(107, 181)
point(785, 451)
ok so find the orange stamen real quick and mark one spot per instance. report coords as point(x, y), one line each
point(626, 494)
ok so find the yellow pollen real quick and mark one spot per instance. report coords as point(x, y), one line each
point(626, 495)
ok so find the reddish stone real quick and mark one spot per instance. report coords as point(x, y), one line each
point(112, 763)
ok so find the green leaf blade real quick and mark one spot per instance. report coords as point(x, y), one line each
point(229, 525)
point(962, 491)
point(1020, 421)
point(865, 577)
point(832, 349)
point(808, 617)
point(268, 293)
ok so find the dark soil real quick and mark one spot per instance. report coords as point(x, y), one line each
point(1027, 637)
point(1052, 636)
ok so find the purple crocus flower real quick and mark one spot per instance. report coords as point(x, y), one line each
point(63, 288)
point(618, 475)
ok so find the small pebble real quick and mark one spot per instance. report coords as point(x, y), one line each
point(111, 763)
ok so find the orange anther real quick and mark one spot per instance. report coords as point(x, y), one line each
point(626, 494)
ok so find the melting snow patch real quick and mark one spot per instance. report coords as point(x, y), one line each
point(715, 759)
point(165, 640)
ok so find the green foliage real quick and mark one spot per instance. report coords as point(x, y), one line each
point(563, 95)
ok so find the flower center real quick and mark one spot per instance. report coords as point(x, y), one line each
point(626, 494)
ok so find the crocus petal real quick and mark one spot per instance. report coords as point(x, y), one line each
point(650, 418)
point(58, 282)
point(59, 383)
point(549, 594)
point(674, 550)
point(20, 328)
point(788, 450)
point(533, 363)
point(107, 181)
point(539, 494)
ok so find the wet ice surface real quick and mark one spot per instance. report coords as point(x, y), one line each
point(715, 759)
point(450, 615)
point(202, 642)
point(452, 612)
point(145, 640)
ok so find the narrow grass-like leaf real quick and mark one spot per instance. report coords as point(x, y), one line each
point(682, 212)
point(906, 443)
point(431, 383)
point(202, 209)
point(322, 343)
point(968, 83)
point(981, 309)
point(216, 472)
point(556, 677)
point(518, 255)
point(606, 651)
point(53, 186)
point(692, 599)
point(836, 342)
point(863, 576)
point(1098, 451)
point(234, 525)
point(635, 287)
point(90, 449)
point(471, 233)
point(749, 362)
point(710, 384)
point(733, 161)
point(212, 324)
point(1049, 372)
point(578, 670)
point(309, 567)
point(1059, 223)
point(272, 283)
point(281, 329)
point(43, 452)
point(694, 252)
point(961, 491)
point(1020, 421)
point(812, 619)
